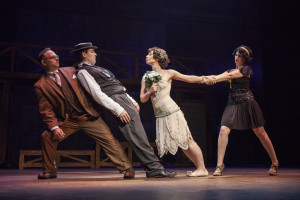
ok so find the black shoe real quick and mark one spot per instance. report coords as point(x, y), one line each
point(46, 175)
point(129, 173)
point(163, 174)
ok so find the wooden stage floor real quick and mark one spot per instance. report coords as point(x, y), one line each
point(107, 183)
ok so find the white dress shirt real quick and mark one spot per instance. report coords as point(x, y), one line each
point(93, 88)
point(51, 75)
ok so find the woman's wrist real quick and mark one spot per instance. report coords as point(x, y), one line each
point(201, 79)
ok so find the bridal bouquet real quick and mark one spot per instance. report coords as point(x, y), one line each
point(151, 77)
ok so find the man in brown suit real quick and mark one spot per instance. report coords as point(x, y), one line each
point(65, 109)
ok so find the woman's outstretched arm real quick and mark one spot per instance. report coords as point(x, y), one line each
point(227, 76)
point(186, 78)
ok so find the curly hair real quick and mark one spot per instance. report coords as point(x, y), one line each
point(245, 51)
point(161, 56)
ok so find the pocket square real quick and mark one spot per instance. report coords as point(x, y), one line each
point(74, 76)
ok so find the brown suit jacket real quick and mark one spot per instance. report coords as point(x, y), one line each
point(52, 103)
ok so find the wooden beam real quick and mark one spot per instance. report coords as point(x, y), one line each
point(113, 63)
point(4, 119)
point(19, 75)
point(6, 50)
point(28, 56)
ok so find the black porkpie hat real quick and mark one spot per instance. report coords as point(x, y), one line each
point(82, 46)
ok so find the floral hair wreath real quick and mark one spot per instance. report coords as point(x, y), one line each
point(158, 51)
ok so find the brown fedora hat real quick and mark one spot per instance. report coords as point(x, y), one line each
point(82, 46)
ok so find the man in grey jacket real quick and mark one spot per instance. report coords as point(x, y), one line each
point(107, 91)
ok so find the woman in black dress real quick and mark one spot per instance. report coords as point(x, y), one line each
point(242, 111)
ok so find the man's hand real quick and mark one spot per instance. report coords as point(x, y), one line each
point(58, 133)
point(124, 117)
point(137, 106)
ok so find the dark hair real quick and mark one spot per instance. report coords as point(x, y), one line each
point(78, 55)
point(161, 55)
point(245, 51)
point(41, 55)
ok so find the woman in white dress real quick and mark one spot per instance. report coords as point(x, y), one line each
point(172, 130)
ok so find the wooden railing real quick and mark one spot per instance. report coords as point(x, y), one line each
point(76, 158)
point(130, 70)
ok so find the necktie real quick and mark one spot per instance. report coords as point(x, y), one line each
point(57, 78)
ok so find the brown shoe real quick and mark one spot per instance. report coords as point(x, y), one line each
point(46, 175)
point(129, 173)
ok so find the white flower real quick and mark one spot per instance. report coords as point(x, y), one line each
point(151, 77)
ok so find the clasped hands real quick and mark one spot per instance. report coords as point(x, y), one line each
point(208, 80)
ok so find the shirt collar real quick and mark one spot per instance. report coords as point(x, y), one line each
point(51, 73)
point(85, 63)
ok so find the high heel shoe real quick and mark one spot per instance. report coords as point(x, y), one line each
point(273, 172)
point(195, 174)
point(220, 172)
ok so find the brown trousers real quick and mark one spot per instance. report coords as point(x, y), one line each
point(96, 129)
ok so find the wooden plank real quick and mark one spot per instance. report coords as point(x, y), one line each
point(4, 120)
point(34, 160)
point(75, 158)
point(60, 153)
point(21, 161)
point(31, 152)
point(76, 152)
point(97, 156)
point(74, 164)
point(33, 165)
point(19, 75)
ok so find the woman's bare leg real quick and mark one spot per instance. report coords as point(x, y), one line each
point(267, 144)
point(194, 153)
point(222, 145)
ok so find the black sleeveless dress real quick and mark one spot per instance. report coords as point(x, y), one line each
point(242, 111)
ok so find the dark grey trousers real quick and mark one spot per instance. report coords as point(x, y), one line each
point(136, 136)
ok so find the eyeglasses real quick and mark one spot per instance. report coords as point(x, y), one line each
point(52, 57)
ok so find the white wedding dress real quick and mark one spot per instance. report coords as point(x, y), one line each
point(172, 130)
